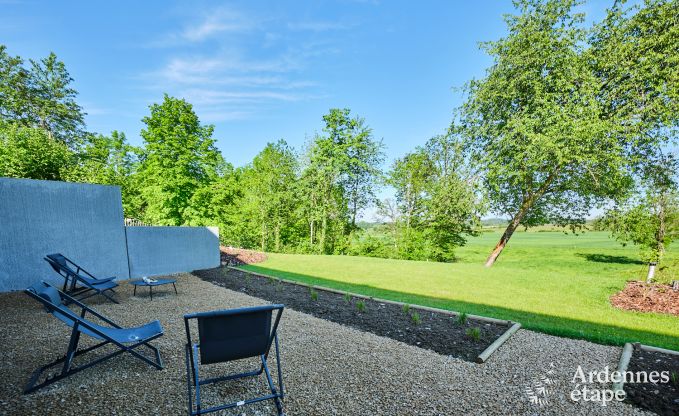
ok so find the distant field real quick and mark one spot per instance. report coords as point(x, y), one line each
point(549, 281)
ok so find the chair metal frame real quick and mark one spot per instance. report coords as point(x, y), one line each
point(73, 276)
point(192, 367)
point(79, 323)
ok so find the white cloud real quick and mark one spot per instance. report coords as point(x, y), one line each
point(205, 97)
point(218, 21)
point(241, 73)
point(226, 68)
point(213, 24)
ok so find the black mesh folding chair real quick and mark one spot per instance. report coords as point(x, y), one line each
point(230, 335)
point(78, 281)
point(108, 333)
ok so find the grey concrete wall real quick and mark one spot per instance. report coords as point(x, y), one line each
point(83, 222)
point(155, 251)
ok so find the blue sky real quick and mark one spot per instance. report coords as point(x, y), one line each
point(261, 71)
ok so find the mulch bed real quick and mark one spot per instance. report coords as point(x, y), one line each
point(644, 297)
point(231, 256)
point(435, 331)
point(661, 398)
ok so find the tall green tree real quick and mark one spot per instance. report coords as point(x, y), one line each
point(359, 157)
point(109, 160)
point(536, 126)
point(216, 203)
point(40, 96)
point(14, 88)
point(453, 207)
point(340, 177)
point(437, 199)
point(649, 218)
point(409, 176)
point(270, 198)
point(324, 204)
point(635, 56)
point(41, 125)
point(28, 152)
point(178, 159)
point(52, 101)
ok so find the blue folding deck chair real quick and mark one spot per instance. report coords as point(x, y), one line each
point(233, 335)
point(72, 278)
point(126, 339)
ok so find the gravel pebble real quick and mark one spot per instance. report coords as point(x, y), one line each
point(328, 368)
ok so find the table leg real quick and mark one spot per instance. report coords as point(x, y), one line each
point(175, 288)
point(151, 291)
point(135, 291)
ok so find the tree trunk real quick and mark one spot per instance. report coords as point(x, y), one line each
point(263, 242)
point(659, 239)
point(311, 233)
point(354, 207)
point(513, 225)
point(651, 271)
point(324, 230)
point(660, 235)
point(277, 237)
point(527, 203)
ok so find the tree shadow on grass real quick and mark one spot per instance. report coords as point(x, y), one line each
point(606, 258)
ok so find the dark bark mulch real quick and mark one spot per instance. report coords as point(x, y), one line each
point(435, 331)
point(645, 297)
point(231, 256)
point(661, 398)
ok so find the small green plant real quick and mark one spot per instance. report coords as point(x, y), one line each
point(416, 318)
point(347, 297)
point(313, 294)
point(279, 286)
point(462, 318)
point(272, 280)
point(360, 305)
point(405, 308)
point(474, 333)
point(674, 376)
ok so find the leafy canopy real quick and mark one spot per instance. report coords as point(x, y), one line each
point(535, 122)
point(178, 159)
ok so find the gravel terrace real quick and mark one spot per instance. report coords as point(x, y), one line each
point(328, 368)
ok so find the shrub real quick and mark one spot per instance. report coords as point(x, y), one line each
point(347, 297)
point(360, 305)
point(405, 308)
point(415, 318)
point(474, 333)
point(313, 294)
point(462, 318)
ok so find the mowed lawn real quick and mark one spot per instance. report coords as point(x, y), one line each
point(549, 281)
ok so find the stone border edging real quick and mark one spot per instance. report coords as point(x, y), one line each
point(497, 343)
point(656, 349)
point(625, 357)
point(481, 358)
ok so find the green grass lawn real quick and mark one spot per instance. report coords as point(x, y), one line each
point(549, 281)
